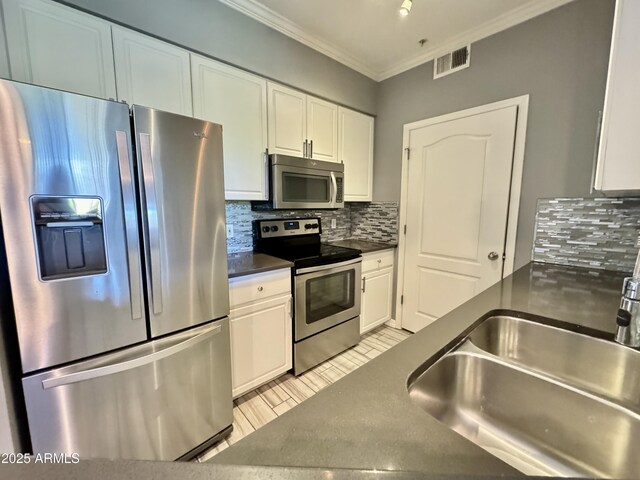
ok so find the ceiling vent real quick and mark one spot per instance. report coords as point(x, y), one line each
point(451, 62)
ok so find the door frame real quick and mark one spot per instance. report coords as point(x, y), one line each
point(522, 103)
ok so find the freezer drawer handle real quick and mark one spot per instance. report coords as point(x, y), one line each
point(129, 364)
point(131, 225)
point(152, 222)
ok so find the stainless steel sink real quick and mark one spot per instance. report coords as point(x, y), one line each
point(540, 398)
point(599, 366)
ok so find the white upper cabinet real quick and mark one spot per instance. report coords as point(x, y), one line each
point(287, 120)
point(322, 130)
point(59, 47)
point(618, 168)
point(355, 150)
point(238, 101)
point(301, 125)
point(152, 73)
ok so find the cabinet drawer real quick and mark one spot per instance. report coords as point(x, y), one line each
point(377, 260)
point(251, 288)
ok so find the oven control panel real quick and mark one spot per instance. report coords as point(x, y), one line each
point(287, 227)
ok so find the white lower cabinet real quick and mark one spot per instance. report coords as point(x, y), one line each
point(377, 289)
point(260, 324)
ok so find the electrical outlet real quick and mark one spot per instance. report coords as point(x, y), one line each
point(333, 223)
point(229, 231)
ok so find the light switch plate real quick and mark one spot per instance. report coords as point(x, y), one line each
point(229, 231)
point(333, 223)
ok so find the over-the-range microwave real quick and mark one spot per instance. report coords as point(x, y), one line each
point(303, 183)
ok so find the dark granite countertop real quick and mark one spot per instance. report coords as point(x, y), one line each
point(363, 246)
point(247, 263)
point(367, 421)
point(364, 426)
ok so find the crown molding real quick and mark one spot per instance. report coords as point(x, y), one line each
point(274, 20)
point(507, 20)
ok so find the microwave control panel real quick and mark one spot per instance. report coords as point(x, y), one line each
point(340, 190)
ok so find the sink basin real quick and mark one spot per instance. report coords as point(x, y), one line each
point(544, 400)
point(599, 366)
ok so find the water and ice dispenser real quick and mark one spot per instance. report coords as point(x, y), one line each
point(70, 236)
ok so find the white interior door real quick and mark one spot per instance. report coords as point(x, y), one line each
point(457, 206)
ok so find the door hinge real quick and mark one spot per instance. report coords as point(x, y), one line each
point(408, 152)
point(401, 299)
point(405, 229)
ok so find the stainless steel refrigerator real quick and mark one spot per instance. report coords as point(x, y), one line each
point(118, 272)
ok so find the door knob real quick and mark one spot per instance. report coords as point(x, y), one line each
point(493, 256)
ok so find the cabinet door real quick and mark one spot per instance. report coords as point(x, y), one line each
point(238, 101)
point(287, 120)
point(618, 167)
point(376, 299)
point(322, 129)
point(152, 73)
point(59, 47)
point(260, 343)
point(355, 150)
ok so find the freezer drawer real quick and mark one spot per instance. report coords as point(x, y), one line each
point(156, 401)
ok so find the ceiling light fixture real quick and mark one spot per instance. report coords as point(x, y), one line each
point(405, 8)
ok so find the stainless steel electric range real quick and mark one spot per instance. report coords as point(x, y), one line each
point(326, 287)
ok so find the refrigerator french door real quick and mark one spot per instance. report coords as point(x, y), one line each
point(111, 368)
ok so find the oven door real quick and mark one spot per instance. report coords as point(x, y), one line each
point(326, 296)
point(299, 187)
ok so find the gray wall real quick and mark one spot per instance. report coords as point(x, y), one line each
point(209, 27)
point(559, 58)
point(4, 57)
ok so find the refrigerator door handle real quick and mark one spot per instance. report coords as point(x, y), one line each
point(130, 364)
point(131, 225)
point(152, 222)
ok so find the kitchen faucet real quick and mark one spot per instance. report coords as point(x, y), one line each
point(628, 318)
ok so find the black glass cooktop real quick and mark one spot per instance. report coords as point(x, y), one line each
point(313, 255)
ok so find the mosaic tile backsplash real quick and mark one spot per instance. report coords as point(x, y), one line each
point(598, 233)
point(375, 221)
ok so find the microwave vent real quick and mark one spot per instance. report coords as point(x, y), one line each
point(452, 62)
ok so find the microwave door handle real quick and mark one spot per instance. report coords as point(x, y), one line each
point(153, 228)
point(334, 192)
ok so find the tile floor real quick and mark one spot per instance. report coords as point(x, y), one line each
point(260, 406)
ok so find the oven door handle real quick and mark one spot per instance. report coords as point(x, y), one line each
point(328, 266)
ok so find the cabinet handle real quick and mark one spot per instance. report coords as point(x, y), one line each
point(379, 260)
point(364, 284)
point(260, 288)
point(311, 149)
point(304, 149)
